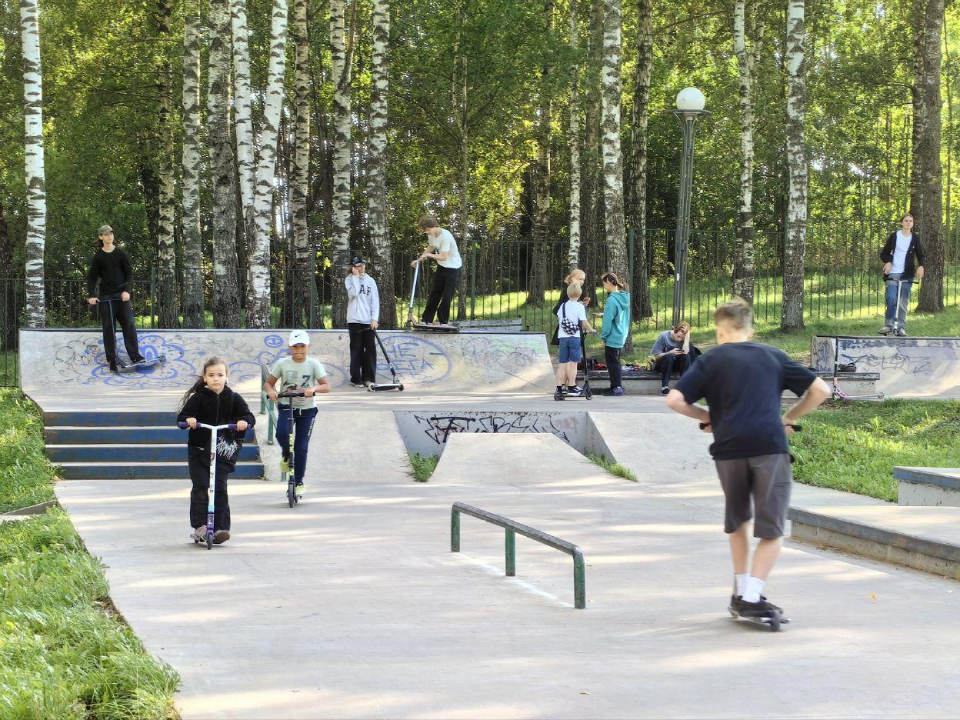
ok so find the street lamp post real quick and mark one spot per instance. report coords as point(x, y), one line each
point(690, 102)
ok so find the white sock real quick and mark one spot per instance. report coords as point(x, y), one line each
point(741, 582)
point(752, 589)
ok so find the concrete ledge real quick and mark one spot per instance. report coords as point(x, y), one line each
point(647, 382)
point(928, 486)
point(859, 538)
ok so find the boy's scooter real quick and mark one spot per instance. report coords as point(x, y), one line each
point(208, 535)
point(585, 391)
point(839, 394)
point(424, 327)
point(288, 472)
point(396, 384)
point(121, 365)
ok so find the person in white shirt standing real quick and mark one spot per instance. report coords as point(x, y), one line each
point(363, 315)
point(445, 252)
point(572, 320)
point(903, 257)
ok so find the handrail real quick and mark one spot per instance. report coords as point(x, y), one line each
point(266, 406)
point(511, 528)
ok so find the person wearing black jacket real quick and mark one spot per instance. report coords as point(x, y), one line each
point(110, 267)
point(903, 257)
point(211, 402)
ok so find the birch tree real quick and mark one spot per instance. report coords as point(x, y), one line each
point(541, 179)
point(340, 61)
point(258, 262)
point(927, 170)
point(243, 121)
point(226, 291)
point(33, 162)
point(743, 255)
point(590, 228)
point(300, 167)
point(573, 251)
point(638, 157)
point(167, 307)
point(795, 241)
point(377, 163)
point(612, 156)
point(193, 303)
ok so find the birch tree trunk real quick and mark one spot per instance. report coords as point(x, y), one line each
point(794, 250)
point(743, 252)
point(33, 164)
point(377, 164)
point(300, 171)
point(590, 221)
point(168, 312)
point(638, 158)
point(612, 156)
point(243, 122)
point(541, 179)
point(226, 291)
point(461, 89)
point(258, 262)
point(193, 301)
point(927, 173)
point(573, 252)
point(340, 71)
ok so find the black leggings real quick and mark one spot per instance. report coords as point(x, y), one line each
point(441, 294)
point(110, 313)
point(363, 353)
point(200, 475)
point(613, 366)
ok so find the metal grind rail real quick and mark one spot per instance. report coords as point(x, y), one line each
point(511, 528)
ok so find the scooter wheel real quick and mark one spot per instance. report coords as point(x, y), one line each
point(879, 396)
point(400, 388)
point(209, 539)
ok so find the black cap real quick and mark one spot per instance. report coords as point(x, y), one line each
point(357, 260)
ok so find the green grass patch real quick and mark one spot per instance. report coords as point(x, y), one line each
point(422, 466)
point(26, 478)
point(854, 446)
point(612, 467)
point(63, 653)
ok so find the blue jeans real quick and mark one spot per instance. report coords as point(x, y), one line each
point(893, 312)
point(303, 426)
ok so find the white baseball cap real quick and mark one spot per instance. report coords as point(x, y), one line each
point(299, 337)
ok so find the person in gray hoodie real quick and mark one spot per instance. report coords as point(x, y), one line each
point(363, 314)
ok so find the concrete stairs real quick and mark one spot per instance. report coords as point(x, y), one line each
point(128, 445)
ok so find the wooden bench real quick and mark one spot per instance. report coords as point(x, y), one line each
point(647, 382)
point(502, 325)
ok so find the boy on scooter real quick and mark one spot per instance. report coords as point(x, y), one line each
point(306, 374)
point(903, 257)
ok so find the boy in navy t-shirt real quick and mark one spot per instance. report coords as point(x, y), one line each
point(743, 382)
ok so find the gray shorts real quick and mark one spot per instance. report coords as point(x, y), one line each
point(767, 480)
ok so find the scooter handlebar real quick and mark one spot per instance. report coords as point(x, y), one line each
point(291, 394)
point(229, 426)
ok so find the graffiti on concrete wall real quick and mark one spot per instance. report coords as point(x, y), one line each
point(438, 427)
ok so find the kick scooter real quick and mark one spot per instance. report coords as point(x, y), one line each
point(208, 535)
point(121, 365)
point(425, 327)
point(288, 471)
point(396, 384)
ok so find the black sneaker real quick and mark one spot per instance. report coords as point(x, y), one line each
point(760, 609)
point(220, 537)
point(558, 395)
point(665, 390)
point(575, 391)
point(613, 391)
point(114, 367)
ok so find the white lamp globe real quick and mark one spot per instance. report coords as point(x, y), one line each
point(690, 99)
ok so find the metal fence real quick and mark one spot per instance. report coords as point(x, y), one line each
point(510, 278)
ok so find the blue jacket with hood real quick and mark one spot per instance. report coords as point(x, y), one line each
point(616, 319)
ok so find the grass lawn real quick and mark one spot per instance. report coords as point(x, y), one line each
point(63, 652)
point(854, 446)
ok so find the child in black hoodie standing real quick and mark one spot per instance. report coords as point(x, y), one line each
point(211, 402)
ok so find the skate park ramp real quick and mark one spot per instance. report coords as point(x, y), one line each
point(63, 366)
point(909, 367)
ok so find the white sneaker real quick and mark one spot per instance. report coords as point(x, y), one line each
point(358, 385)
point(885, 330)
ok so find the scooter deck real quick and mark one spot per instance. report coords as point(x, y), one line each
point(772, 622)
point(424, 327)
point(142, 365)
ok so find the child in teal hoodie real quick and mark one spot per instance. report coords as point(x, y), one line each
point(616, 325)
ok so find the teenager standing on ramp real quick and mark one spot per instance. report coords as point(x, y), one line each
point(443, 248)
point(110, 267)
point(900, 256)
point(363, 314)
point(743, 382)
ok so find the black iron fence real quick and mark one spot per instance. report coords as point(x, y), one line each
point(506, 279)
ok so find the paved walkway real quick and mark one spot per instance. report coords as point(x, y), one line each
point(351, 605)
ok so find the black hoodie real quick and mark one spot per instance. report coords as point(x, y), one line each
point(212, 409)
